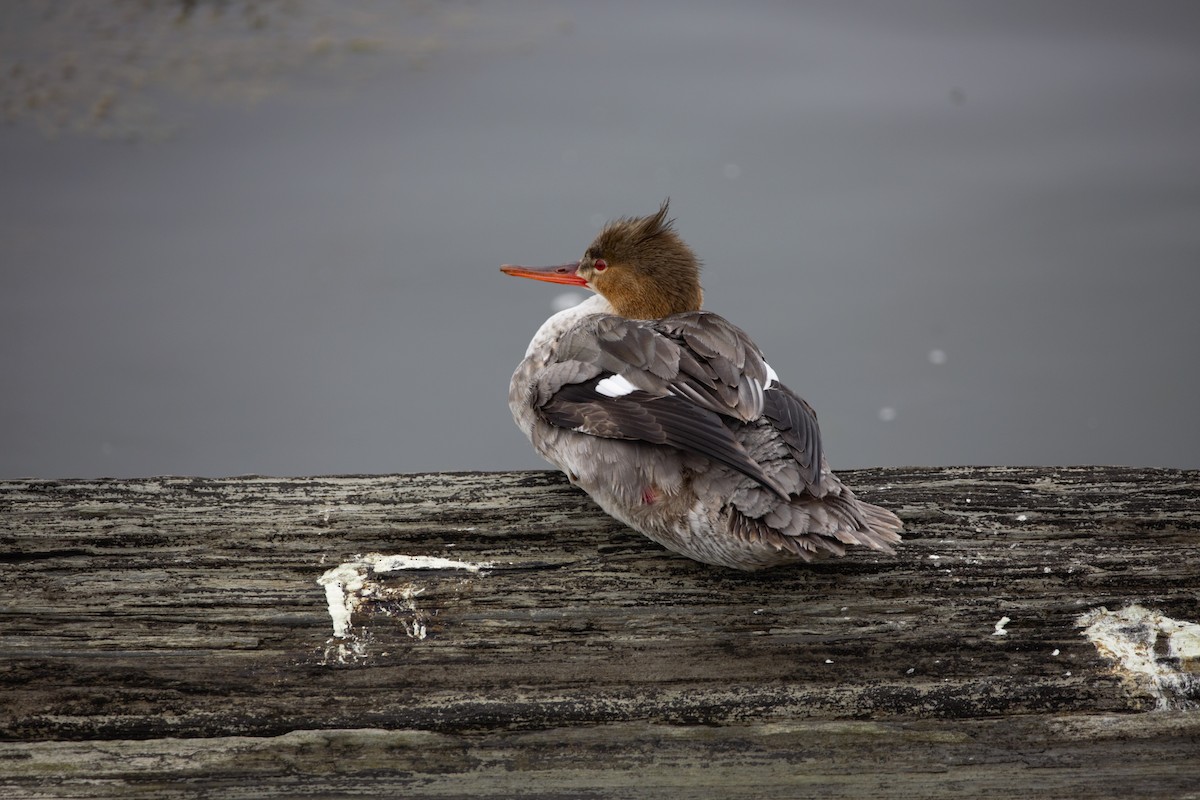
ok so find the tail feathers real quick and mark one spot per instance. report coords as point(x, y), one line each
point(883, 527)
point(818, 527)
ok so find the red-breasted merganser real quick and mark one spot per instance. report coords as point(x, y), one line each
point(672, 420)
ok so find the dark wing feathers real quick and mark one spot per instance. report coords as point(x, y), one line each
point(556, 375)
point(797, 425)
point(620, 345)
point(666, 420)
point(697, 378)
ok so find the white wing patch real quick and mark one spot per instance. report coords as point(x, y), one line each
point(772, 377)
point(615, 386)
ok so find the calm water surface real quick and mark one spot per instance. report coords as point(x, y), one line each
point(965, 232)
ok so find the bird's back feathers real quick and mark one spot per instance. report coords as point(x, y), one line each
point(697, 384)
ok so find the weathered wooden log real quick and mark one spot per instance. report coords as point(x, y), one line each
point(475, 633)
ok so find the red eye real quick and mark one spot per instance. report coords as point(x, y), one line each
point(600, 264)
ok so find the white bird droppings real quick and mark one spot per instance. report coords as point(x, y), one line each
point(350, 584)
point(341, 583)
point(382, 563)
point(1000, 627)
point(1129, 639)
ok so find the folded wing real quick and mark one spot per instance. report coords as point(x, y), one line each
point(690, 381)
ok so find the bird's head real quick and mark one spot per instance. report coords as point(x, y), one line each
point(640, 265)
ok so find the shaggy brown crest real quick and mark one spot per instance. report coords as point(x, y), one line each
point(645, 269)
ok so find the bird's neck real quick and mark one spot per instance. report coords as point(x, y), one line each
point(558, 324)
point(644, 300)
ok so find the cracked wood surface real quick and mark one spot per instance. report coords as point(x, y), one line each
point(175, 637)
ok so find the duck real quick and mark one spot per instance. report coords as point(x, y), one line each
point(671, 419)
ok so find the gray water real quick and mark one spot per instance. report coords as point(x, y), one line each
point(967, 233)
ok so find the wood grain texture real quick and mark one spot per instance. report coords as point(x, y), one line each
point(170, 637)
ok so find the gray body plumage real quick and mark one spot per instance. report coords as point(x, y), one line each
point(696, 444)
